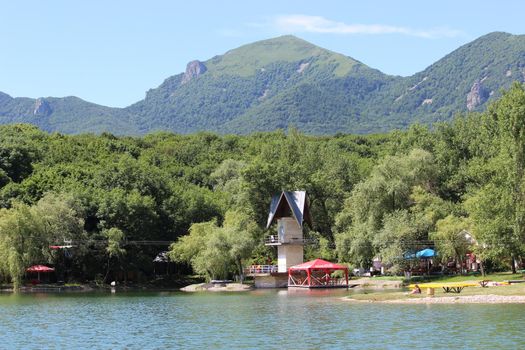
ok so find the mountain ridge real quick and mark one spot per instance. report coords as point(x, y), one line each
point(287, 81)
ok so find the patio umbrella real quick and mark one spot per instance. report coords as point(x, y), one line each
point(40, 268)
point(426, 253)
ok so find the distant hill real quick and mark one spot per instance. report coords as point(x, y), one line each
point(464, 80)
point(287, 81)
point(70, 115)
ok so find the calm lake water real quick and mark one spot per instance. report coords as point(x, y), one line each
point(256, 320)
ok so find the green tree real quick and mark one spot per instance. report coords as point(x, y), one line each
point(114, 248)
point(243, 234)
point(27, 231)
point(387, 190)
point(491, 212)
point(398, 238)
point(496, 204)
point(354, 245)
point(509, 112)
point(215, 251)
point(451, 238)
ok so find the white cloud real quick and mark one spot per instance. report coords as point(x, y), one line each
point(318, 24)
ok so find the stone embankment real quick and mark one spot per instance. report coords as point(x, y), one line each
point(217, 287)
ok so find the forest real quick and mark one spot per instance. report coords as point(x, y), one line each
point(370, 195)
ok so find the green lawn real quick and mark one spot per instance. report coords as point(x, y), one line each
point(514, 289)
point(498, 277)
point(386, 278)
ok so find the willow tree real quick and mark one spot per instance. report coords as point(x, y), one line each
point(19, 246)
point(387, 190)
point(216, 251)
point(27, 231)
point(243, 234)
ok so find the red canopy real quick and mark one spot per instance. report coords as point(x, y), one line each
point(40, 268)
point(318, 264)
point(317, 274)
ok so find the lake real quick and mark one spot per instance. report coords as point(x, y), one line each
point(267, 319)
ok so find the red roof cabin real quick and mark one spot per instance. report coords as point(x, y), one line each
point(317, 273)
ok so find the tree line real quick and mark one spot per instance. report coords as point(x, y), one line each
point(370, 195)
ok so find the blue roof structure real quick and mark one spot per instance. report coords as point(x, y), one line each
point(426, 253)
point(422, 254)
point(290, 203)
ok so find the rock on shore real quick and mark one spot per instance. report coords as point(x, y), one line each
point(217, 287)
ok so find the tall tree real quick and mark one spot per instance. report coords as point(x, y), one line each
point(497, 207)
point(451, 238)
point(509, 112)
point(385, 191)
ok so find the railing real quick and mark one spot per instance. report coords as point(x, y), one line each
point(333, 282)
point(275, 240)
point(255, 269)
point(325, 281)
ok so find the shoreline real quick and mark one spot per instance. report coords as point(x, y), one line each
point(87, 288)
point(158, 285)
point(465, 299)
point(366, 283)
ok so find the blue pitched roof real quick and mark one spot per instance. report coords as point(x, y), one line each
point(294, 201)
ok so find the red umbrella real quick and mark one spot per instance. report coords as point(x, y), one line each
point(40, 268)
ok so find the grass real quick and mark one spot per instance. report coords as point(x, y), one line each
point(387, 278)
point(497, 277)
point(515, 289)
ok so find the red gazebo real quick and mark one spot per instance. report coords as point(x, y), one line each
point(317, 274)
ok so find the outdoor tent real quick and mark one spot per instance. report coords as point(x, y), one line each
point(317, 274)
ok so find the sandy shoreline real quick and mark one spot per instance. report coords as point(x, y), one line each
point(470, 299)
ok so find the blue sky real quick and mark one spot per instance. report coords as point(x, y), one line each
point(111, 52)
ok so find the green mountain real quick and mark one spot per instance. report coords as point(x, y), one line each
point(464, 80)
point(287, 81)
point(70, 115)
point(261, 86)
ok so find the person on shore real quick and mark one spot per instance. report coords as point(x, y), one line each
point(416, 290)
